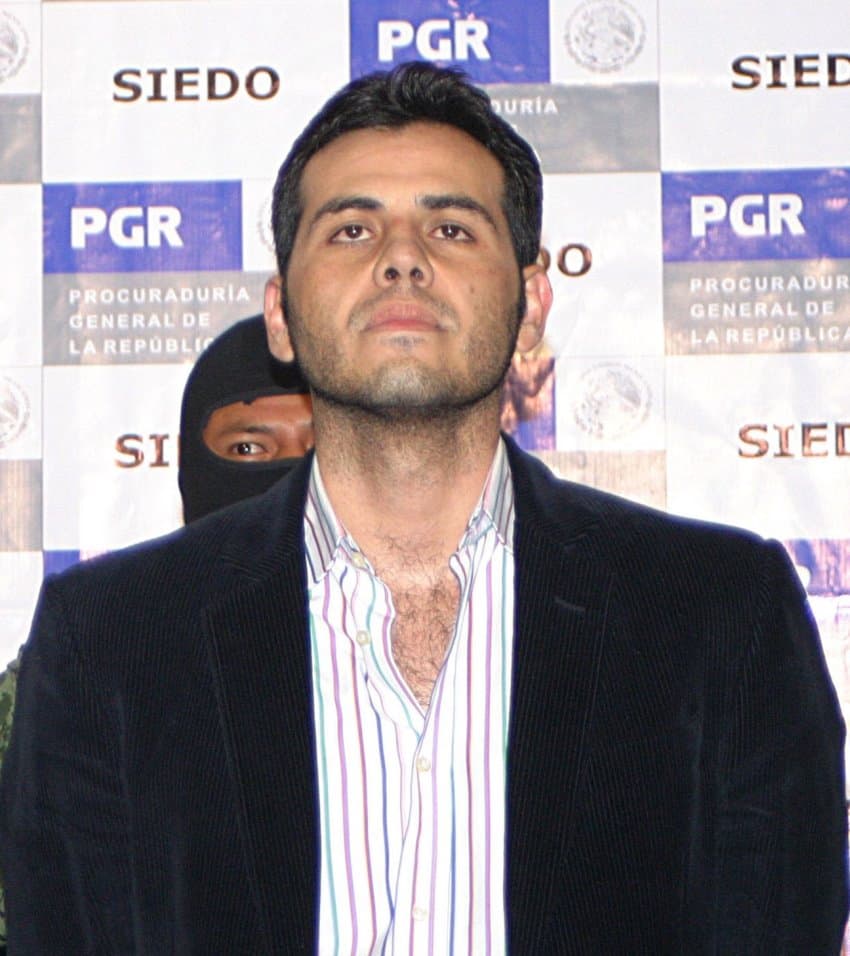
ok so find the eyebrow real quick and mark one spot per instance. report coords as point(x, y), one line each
point(343, 204)
point(457, 201)
point(433, 202)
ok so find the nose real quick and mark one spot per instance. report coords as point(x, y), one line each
point(403, 261)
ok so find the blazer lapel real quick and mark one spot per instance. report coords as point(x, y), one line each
point(259, 658)
point(258, 647)
point(562, 596)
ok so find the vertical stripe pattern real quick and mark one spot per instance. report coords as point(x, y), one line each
point(412, 803)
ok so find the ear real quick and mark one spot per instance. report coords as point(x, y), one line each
point(277, 331)
point(538, 301)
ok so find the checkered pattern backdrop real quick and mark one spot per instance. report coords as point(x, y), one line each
point(697, 231)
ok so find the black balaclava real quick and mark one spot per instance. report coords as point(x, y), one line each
point(236, 367)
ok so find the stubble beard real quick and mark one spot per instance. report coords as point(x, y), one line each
point(407, 392)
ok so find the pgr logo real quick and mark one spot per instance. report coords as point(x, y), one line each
point(142, 227)
point(502, 41)
point(756, 215)
point(440, 39)
point(129, 227)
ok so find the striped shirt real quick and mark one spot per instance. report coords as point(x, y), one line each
point(412, 802)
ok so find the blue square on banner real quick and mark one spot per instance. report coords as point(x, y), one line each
point(493, 41)
point(57, 561)
point(142, 227)
point(748, 215)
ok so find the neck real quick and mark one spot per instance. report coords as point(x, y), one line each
point(406, 485)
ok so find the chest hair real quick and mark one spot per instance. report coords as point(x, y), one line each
point(422, 630)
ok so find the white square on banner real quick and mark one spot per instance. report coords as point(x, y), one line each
point(20, 48)
point(748, 85)
point(184, 90)
point(20, 580)
point(20, 253)
point(110, 454)
point(603, 41)
point(612, 404)
point(603, 236)
point(20, 413)
point(257, 237)
point(760, 441)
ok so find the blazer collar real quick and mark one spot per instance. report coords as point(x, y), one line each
point(562, 599)
point(258, 649)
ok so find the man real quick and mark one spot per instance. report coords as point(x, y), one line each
point(245, 420)
point(421, 697)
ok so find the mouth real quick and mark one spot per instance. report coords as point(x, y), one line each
point(402, 317)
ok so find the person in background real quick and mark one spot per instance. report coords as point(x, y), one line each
point(245, 420)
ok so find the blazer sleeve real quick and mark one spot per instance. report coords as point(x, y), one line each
point(63, 826)
point(781, 862)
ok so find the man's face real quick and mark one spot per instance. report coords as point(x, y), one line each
point(403, 292)
point(267, 429)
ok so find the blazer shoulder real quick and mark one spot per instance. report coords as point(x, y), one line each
point(182, 572)
point(630, 535)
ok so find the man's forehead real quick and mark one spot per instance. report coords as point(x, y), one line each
point(439, 142)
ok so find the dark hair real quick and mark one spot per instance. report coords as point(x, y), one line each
point(410, 93)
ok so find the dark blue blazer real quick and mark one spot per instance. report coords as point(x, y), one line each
point(675, 749)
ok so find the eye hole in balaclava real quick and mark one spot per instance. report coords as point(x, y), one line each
point(255, 412)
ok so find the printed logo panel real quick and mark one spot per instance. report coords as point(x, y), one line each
point(142, 227)
point(110, 451)
point(20, 49)
point(584, 130)
point(639, 475)
point(257, 236)
point(20, 139)
point(601, 236)
point(757, 261)
point(138, 319)
point(528, 400)
point(760, 441)
point(760, 214)
point(603, 41)
point(20, 413)
point(610, 404)
point(20, 505)
point(172, 91)
point(499, 41)
point(744, 87)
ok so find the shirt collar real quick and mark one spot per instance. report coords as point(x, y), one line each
point(325, 534)
point(495, 507)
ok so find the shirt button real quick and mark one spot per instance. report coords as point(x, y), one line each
point(358, 560)
point(363, 638)
point(419, 913)
point(423, 764)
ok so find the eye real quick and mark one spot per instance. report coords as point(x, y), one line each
point(352, 232)
point(246, 449)
point(451, 230)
